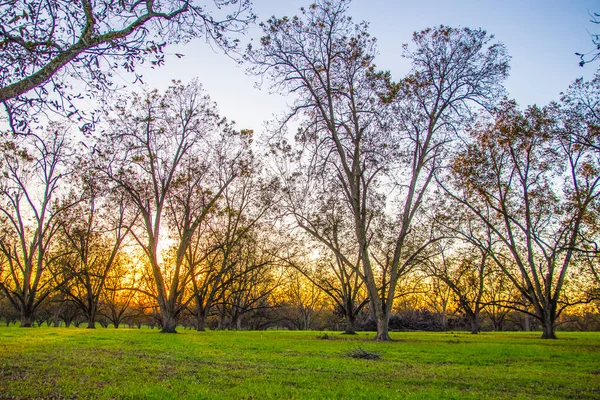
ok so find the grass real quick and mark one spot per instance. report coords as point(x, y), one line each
point(134, 364)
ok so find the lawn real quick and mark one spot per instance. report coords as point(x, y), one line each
point(133, 364)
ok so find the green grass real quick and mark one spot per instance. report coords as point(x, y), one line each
point(133, 364)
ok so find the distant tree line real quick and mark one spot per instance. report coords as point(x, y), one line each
point(432, 202)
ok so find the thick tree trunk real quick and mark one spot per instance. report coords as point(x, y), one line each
point(26, 316)
point(443, 320)
point(166, 309)
point(91, 323)
point(201, 322)
point(349, 325)
point(91, 315)
point(474, 325)
point(26, 319)
point(306, 322)
point(377, 308)
point(548, 328)
point(169, 324)
point(382, 327)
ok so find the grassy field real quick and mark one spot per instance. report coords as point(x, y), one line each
point(132, 364)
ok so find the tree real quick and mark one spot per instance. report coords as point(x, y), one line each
point(34, 176)
point(173, 156)
point(466, 275)
point(221, 251)
point(250, 293)
point(540, 187)
point(438, 297)
point(342, 283)
point(92, 234)
point(327, 62)
point(118, 294)
point(42, 43)
point(499, 296)
point(324, 250)
point(351, 133)
point(305, 299)
point(464, 263)
point(251, 282)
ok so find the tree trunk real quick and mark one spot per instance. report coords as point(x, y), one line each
point(221, 322)
point(382, 326)
point(201, 323)
point(201, 320)
point(443, 320)
point(378, 309)
point(548, 329)
point(91, 324)
point(91, 317)
point(500, 324)
point(526, 323)
point(166, 311)
point(168, 323)
point(306, 321)
point(26, 319)
point(474, 325)
point(349, 325)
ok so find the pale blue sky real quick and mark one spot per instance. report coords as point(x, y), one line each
point(541, 36)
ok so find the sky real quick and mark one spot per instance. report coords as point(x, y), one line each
point(542, 37)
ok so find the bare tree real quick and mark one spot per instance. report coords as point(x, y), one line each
point(305, 299)
point(217, 250)
point(327, 62)
point(464, 263)
point(42, 43)
point(251, 282)
point(325, 250)
point(173, 156)
point(466, 275)
point(438, 297)
point(341, 282)
point(34, 172)
point(343, 285)
point(499, 295)
point(118, 294)
point(351, 133)
point(92, 234)
point(540, 187)
point(580, 109)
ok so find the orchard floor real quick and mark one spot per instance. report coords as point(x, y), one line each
point(144, 364)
